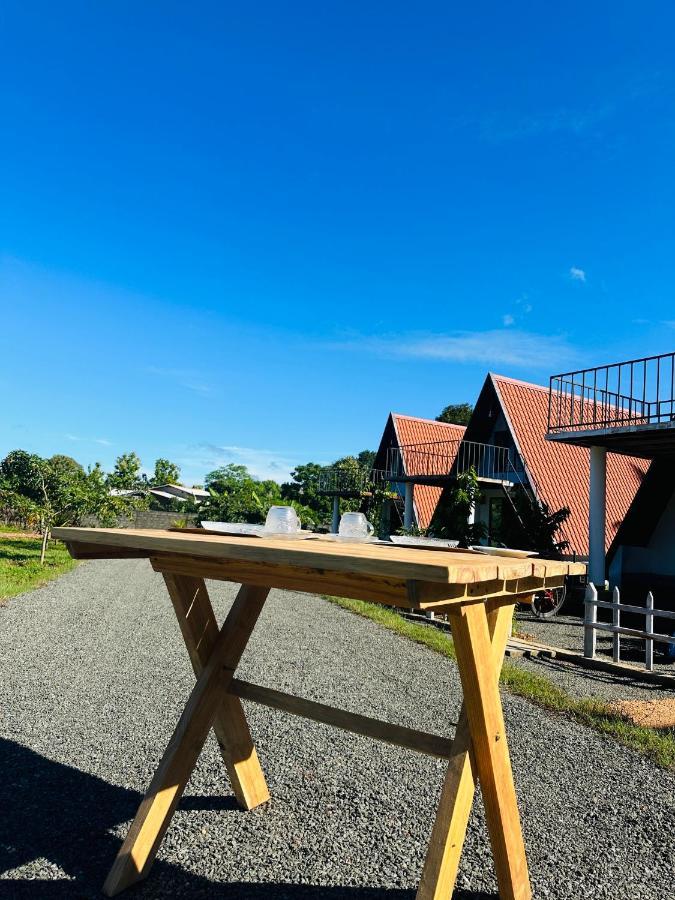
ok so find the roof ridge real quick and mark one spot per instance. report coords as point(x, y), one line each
point(528, 384)
point(430, 421)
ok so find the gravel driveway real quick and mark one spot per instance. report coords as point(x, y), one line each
point(93, 676)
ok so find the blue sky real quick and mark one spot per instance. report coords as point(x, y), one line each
point(246, 232)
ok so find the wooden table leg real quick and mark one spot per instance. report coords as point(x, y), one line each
point(448, 833)
point(479, 675)
point(135, 858)
point(198, 625)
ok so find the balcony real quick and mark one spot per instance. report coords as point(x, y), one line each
point(349, 483)
point(627, 407)
point(440, 462)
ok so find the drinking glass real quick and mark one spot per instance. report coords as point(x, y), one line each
point(282, 520)
point(355, 525)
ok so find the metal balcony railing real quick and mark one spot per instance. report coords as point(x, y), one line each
point(435, 458)
point(440, 459)
point(338, 481)
point(636, 392)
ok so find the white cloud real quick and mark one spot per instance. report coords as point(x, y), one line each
point(513, 347)
point(261, 463)
point(577, 274)
point(508, 319)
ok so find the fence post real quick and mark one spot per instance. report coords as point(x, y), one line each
point(616, 621)
point(590, 618)
point(649, 628)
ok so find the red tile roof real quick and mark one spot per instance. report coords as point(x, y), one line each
point(561, 471)
point(411, 430)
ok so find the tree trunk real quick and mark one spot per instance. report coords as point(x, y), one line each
point(45, 538)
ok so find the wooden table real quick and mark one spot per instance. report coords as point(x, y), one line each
point(478, 593)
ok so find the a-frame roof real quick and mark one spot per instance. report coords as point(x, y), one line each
point(402, 430)
point(559, 472)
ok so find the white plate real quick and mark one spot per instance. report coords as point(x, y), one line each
point(234, 528)
point(406, 540)
point(348, 539)
point(243, 529)
point(504, 551)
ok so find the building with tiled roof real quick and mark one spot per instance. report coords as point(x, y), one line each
point(514, 414)
point(403, 431)
point(506, 443)
point(624, 411)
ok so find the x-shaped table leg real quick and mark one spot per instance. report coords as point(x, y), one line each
point(480, 751)
point(200, 630)
point(215, 657)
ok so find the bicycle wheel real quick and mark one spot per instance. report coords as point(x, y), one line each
point(546, 603)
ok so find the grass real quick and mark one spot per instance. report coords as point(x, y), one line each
point(658, 745)
point(20, 568)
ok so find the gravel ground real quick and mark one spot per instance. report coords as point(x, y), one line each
point(93, 676)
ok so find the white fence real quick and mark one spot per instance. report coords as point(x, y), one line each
point(649, 636)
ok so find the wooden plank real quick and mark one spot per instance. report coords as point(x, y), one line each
point(80, 550)
point(295, 578)
point(420, 741)
point(200, 632)
point(139, 849)
point(452, 818)
point(478, 673)
point(407, 595)
point(399, 563)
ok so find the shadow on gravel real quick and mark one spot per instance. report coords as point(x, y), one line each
point(56, 813)
point(596, 676)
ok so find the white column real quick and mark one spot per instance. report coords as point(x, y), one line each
point(336, 515)
point(408, 508)
point(596, 516)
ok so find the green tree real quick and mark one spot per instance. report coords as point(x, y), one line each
point(95, 499)
point(25, 473)
point(456, 414)
point(56, 491)
point(236, 496)
point(304, 489)
point(366, 459)
point(23, 494)
point(127, 472)
point(350, 473)
point(65, 465)
point(165, 472)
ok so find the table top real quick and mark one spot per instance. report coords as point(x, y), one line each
point(373, 560)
